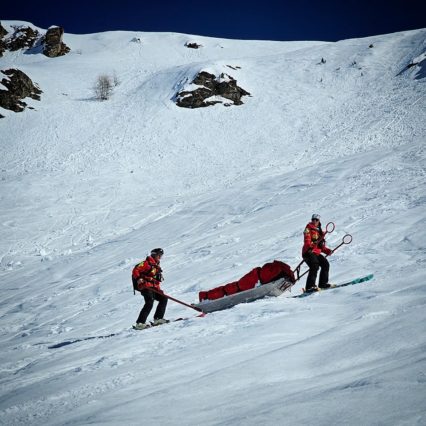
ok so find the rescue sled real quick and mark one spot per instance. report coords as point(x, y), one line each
point(272, 279)
point(275, 288)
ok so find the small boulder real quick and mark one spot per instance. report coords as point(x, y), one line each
point(235, 68)
point(53, 44)
point(193, 45)
point(19, 86)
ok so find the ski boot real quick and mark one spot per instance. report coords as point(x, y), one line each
point(140, 326)
point(160, 321)
point(312, 289)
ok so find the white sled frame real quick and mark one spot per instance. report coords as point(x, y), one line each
point(275, 288)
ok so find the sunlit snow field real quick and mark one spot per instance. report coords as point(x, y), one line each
point(88, 188)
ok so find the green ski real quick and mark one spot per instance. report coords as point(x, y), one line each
point(352, 282)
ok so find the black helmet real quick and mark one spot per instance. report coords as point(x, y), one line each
point(157, 252)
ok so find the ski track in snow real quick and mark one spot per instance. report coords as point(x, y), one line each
point(87, 188)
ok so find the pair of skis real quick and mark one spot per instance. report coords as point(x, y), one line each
point(352, 282)
point(152, 324)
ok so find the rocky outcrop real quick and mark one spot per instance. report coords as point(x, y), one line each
point(26, 38)
point(22, 38)
point(2, 47)
point(419, 67)
point(53, 44)
point(3, 32)
point(416, 68)
point(19, 86)
point(211, 90)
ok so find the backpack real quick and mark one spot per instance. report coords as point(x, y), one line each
point(135, 277)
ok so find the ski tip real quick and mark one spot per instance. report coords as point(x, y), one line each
point(366, 278)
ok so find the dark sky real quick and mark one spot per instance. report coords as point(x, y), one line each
point(261, 20)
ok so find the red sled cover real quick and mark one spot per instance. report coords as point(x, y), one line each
point(249, 280)
point(274, 270)
point(267, 273)
point(231, 288)
point(202, 295)
point(216, 293)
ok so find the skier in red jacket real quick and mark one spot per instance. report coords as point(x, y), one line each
point(147, 275)
point(314, 245)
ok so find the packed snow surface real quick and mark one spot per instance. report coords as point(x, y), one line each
point(89, 187)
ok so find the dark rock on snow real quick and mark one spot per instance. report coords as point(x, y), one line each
point(3, 32)
point(2, 47)
point(19, 86)
point(27, 37)
point(53, 44)
point(210, 85)
point(22, 38)
point(192, 45)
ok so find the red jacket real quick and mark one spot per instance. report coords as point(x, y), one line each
point(314, 240)
point(147, 274)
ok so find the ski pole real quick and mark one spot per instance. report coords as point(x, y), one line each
point(178, 301)
point(328, 230)
point(347, 239)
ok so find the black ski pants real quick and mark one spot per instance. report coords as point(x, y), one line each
point(316, 261)
point(149, 297)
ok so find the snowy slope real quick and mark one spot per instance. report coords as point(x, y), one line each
point(87, 188)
